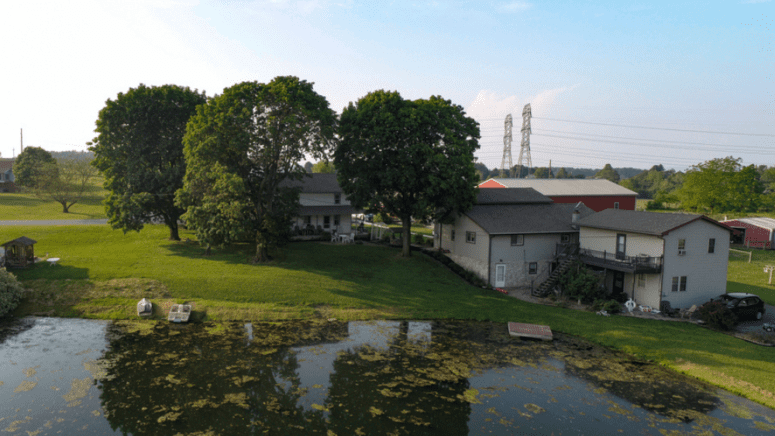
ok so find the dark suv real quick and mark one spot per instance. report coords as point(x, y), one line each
point(744, 305)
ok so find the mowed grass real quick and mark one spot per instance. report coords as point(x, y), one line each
point(103, 273)
point(25, 206)
point(750, 277)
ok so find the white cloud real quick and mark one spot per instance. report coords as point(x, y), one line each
point(488, 105)
point(516, 6)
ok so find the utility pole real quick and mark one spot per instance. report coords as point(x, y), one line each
point(506, 145)
point(524, 147)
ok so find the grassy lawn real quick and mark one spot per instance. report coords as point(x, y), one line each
point(750, 277)
point(103, 273)
point(24, 206)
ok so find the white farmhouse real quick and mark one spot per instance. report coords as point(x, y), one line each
point(657, 257)
point(323, 205)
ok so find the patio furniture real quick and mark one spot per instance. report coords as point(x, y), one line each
point(53, 260)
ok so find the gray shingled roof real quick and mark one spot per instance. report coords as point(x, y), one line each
point(649, 223)
point(316, 183)
point(510, 196)
point(526, 218)
point(23, 240)
point(340, 209)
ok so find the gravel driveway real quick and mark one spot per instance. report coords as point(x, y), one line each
point(754, 326)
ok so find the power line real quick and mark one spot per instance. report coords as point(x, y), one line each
point(658, 128)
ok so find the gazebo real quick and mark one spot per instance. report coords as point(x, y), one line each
point(20, 252)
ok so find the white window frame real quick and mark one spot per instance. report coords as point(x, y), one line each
point(471, 237)
point(532, 268)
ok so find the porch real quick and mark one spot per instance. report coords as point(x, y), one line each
point(641, 264)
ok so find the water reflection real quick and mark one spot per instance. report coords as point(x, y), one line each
point(357, 378)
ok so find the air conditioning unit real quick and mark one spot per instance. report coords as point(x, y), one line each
point(681, 252)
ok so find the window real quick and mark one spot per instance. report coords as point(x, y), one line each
point(453, 234)
point(517, 239)
point(337, 198)
point(679, 284)
point(564, 239)
point(621, 245)
point(712, 245)
point(307, 220)
point(682, 244)
point(533, 267)
point(641, 280)
point(336, 220)
point(471, 237)
point(616, 205)
point(326, 222)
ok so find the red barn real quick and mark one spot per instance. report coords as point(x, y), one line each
point(596, 194)
point(756, 232)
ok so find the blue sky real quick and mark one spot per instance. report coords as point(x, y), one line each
point(692, 67)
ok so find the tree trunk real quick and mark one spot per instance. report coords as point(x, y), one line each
point(173, 231)
point(407, 233)
point(65, 207)
point(262, 253)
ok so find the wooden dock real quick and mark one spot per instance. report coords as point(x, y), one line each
point(534, 331)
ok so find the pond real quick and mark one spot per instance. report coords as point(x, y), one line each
point(68, 376)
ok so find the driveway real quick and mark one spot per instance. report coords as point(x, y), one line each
point(756, 326)
point(53, 222)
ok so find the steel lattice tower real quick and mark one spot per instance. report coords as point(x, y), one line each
point(524, 148)
point(506, 145)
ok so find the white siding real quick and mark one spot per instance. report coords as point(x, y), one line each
point(345, 222)
point(605, 240)
point(306, 199)
point(706, 273)
point(517, 258)
point(472, 257)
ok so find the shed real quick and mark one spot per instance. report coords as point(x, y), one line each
point(758, 232)
point(20, 252)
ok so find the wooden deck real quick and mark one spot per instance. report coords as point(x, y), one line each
point(534, 331)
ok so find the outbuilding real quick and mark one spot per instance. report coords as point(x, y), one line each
point(20, 252)
point(757, 232)
point(596, 194)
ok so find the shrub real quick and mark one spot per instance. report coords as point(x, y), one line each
point(384, 218)
point(579, 282)
point(612, 306)
point(717, 315)
point(654, 205)
point(326, 236)
point(418, 239)
point(386, 237)
point(10, 292)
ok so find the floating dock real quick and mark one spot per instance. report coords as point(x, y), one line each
point(534, 331)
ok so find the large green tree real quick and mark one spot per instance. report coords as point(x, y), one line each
point(240, 147)
point(139, 150)
point(721, 184)
point(608, 173)
point(412, 159)
point(324, 167)
point(32, 164)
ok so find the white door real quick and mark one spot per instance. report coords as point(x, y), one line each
point(500, 276)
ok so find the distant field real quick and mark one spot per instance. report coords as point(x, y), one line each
point(23, 206)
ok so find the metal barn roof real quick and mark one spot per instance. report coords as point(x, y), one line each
point(763, 222)
point(567, 187)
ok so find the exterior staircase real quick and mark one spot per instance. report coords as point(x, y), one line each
point(546, 287)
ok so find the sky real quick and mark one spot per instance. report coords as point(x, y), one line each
point(629, 83)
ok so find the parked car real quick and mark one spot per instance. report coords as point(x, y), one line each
point(744, 305)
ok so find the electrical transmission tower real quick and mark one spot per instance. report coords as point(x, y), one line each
point(506, 146)
point(524, 148)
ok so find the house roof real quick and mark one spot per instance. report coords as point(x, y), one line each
point(512, 219)
point(22, 241)
point(340, 209)
point(6, 165)
point(763, 222)
point(649, 223)
point(316, 183)
point(510, 196)
point(568, 187)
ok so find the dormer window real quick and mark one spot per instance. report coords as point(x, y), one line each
point(337, 198)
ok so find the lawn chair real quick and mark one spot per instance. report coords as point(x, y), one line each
point(334, 236)
point(689, 312)
point(351, 238)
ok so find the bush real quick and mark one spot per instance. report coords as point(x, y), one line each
point(386, 237)
point(654, 205)
point(418, 239)
point(580, 282)
point(10, 292)
point(326, 236)
point(717, 315)
point(384, 218)
point(612, 306)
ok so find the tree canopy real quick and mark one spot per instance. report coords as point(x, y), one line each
point(31, 165)
point(139, 150)
point(412, 159)
point(240, 147)
point(323, 167)
point(608, 173)
point(721, 184)
point(65, 182)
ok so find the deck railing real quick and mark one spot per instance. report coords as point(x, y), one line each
point(640, 262)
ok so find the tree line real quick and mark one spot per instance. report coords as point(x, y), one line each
point(226, 164)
